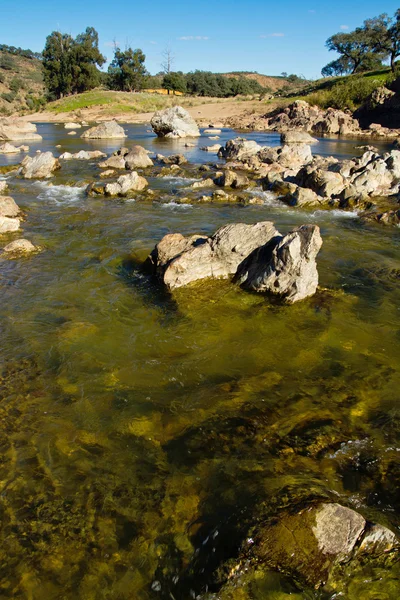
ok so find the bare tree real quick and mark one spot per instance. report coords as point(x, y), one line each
point(168, 59)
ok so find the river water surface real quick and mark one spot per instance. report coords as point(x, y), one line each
point(141, 431)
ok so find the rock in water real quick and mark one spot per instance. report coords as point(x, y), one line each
point(137, 158)
point(9, 212)
point(106, 130)
point(17, 130)
point(20, 247)
point(179, 261)
point(297, 137)
point(72, 126)
point(174, 122)
point(238, 149)
point(285, 267)
point(125, 184)
point(40, 166)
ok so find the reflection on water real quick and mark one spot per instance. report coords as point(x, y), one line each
point(142, 435)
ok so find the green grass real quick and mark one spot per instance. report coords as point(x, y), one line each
point(114, 102)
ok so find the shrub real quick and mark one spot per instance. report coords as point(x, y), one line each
point(9, 96)
point(16, 84)
point(7, 63)
point(351, 93)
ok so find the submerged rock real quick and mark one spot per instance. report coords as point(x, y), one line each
point(106, 130)
point(125, 184)
point(312, 545)
point(40, 166)
point(286, 266)
point(174, 122)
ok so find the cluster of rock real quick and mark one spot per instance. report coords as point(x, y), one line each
point(257, 257)
point(174, 122)
point(13, 129)
point(10, 149)
point(136, 157)
point(10, 215)
point(319, 546)
point(82, 155)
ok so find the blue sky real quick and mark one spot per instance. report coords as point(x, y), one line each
point(268, 37)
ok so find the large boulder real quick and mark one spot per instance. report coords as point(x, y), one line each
point(126, 184)
point(14, 129)
point(286, 266)
point(107, 130)
point(137, 158)
point(39, 167)
point(174, 122)
point(238, 149)
point(179, 261)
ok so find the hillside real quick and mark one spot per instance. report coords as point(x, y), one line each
point(271, 82)
point(21, 83)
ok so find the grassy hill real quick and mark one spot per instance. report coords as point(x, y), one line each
point(21, 83)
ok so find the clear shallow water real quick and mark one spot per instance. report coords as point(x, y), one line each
point(143, 433)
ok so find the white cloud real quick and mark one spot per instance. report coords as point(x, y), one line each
point(187, 38)
point(344, 27)
point(154, 43)
point(272, 35)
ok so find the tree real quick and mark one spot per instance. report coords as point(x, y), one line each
point(85, 56)
point(384, 34)
point(57, 64)
point(174, 82)
point(168, 60)
point(340, 66)
point(71, 65)
point(354, 47)
point(127, 70)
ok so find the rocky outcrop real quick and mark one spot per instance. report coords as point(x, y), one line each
point(174, 122)
point(82, 155)
point(13, 129)
point(312, 545)
point(126, 184)
point(39, 167)
point(9, 215)
point(106, 131)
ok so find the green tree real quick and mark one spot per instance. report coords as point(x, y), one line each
point(384, 34)
point(69, 65)
point(127, 70)
point(85, 57)
point(354, 48)
point(174, 81)
point(57, 68)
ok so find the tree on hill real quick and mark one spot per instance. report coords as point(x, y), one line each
point(354, 48)
point(384, 33)
point(70, 65)
point(127, 70)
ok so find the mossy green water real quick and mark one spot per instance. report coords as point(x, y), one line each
point(143, 434)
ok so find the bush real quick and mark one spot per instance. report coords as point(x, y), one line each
point(7, 63)
point(16, 84)
point(9, 96)
point(351, 93)
point(2, 78)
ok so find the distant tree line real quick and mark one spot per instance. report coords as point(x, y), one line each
point(366, 47)
point(20, 52)
point(205, 83)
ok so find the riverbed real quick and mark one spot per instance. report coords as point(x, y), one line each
point(141, 430)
